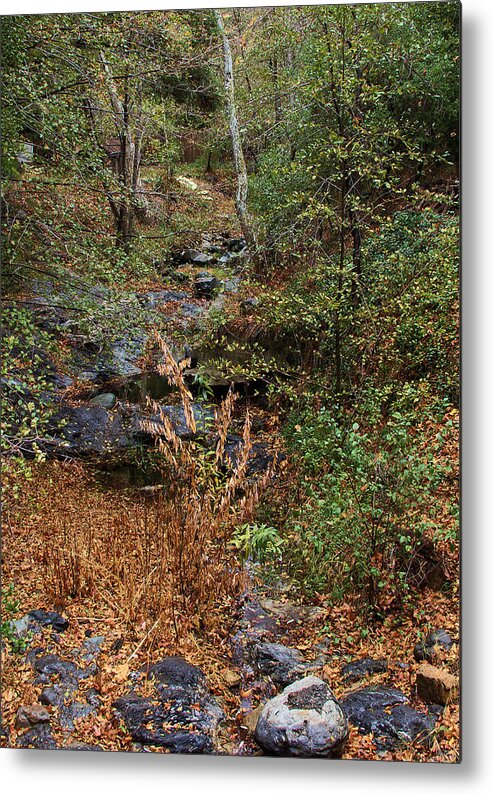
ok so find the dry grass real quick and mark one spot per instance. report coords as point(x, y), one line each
point(165, 561)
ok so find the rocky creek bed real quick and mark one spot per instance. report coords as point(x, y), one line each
point(279, 694)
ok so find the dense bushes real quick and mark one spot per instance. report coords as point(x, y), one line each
point(369, 494)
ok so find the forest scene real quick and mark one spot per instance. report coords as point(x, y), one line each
point(230, 381)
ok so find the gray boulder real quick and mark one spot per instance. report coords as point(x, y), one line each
point(304, 720)
point(385, 713)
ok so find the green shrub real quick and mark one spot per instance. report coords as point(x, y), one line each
point(370, 497)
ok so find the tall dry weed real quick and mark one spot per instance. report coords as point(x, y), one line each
point(167, 561)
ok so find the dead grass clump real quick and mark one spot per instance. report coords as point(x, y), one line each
point(169, 560)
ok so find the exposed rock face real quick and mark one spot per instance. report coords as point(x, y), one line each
point(427, 649)
point(304, 720)
point(385, 713)
point(86, 430)
point(180, 714)
point(436, 685)
point(361, 668)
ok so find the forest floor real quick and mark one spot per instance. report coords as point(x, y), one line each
point(40, 537)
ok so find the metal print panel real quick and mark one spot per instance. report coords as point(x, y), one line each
point(230, 377)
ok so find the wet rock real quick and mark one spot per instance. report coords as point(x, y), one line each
point(72, 709)
point(106, 400)
point(260, 458)
point(282, 664)
point(52, 665)
point(427, 649)
point(385, 713)
point(361, 668)
point(205, 286)
point(179, 714)
point(39, 736)
point(236, 244)
point(30, 716)
point(304, 720)
point(88, 430)
point(436, 685)
point(49, 618)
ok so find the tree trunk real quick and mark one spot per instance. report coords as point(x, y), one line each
point(239, 160)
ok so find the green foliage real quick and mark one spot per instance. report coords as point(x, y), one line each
point(370, 492)
point(26, 404)
point(258, 542)
point(409, 318)
point(10, 608)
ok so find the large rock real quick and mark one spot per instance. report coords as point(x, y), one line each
point(89, 430)
point(304, 720)
point(385, 713)
point(436, 685)
point(179, 713)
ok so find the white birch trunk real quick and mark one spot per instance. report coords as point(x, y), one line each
point(239, 160)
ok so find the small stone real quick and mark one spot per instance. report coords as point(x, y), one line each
point(205, 286)
point(427, 649)
point(361, 668)
point(107, 400)
point(250, 720)
point(49, 618)
point(30, 716)
point(201, 259)
point(231, 678)
point(436, 685)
